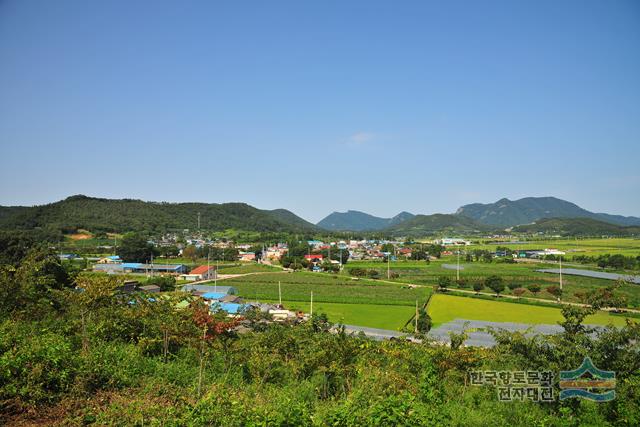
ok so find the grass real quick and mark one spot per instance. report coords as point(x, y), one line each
point(326, 288)
point(391, 317)
point(444, 308)
point(574, 246)
point(523, 274)
point(250, 267)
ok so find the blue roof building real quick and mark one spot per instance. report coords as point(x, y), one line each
point(229, 307)
point(213, 295)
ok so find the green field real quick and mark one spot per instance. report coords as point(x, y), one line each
point(574, 246)
point(444, 308)
point(391, 317)
point(522, 274)
point(326, 288)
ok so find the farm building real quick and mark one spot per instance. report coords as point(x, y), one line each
point(136, 267)
point(203, 272)
point(246, 256)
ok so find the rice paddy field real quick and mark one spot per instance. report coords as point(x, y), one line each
point(392, 317)
point(522, 274)
point(445, 308)
point(573, 246)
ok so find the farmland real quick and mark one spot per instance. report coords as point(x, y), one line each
point(573, 246)
point(444, 308)
point(523, 274)
point(326, 288)
point(391, 317)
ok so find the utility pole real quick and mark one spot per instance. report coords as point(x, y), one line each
point(458, 267)
point(560, 273)
point(417, 314)
point(311, 311)
point(279, 294)
point(389, 266)
point(215, 283)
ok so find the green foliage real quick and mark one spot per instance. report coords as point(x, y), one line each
point(121, 216)
point(444, 282)
point(495, 283)
point(135, 248)
point(478, 286)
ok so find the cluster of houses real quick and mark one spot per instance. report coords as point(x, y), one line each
point(114, 265)
point(220, 298)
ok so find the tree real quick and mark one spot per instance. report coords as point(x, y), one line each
point(513, 285)
point(495, 283)
point(555, 291)
point(478, 286)
point(519, 292)
point(462, 283)
point(534, 288)
point(444, 282)
point(357, 272)
point(373, 274)
point(423, 324)
point(190, 252)
point(388, 247)
point(135, 248)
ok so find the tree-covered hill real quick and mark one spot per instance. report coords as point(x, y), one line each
point(577, 227)
point(506, 213)
point(425, 225)
point(123, 215)
point(360, 221)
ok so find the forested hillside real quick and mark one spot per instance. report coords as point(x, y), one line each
point(425, 225)
point(506, 213)
point(107, 215)
point(577, 227)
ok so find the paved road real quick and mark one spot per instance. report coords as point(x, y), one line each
point(478, 335)
point(378, 334)
point(592, 273)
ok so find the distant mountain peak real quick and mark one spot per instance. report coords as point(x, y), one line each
point(508, 213)
point(353, 220)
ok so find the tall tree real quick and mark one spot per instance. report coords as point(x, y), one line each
point(135, 248)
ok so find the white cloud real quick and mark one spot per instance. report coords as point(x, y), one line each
point(360, 138)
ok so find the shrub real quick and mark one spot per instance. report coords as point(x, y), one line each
point(38, 370)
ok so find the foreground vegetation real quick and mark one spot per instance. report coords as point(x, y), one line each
point(75, 351)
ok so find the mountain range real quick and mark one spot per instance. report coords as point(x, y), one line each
point(508, 213)
point(122, 215)
point(360, 221)
point(531, 214)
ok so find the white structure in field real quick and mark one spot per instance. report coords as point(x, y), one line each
point(445, 241)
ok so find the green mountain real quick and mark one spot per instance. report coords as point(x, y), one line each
point(109, 215)
point(507, 213)
point(360, 221)
point(292, 219)
point(425, 225)
point(577, 227)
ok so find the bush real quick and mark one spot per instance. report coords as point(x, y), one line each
point(110, 366)
point(462, 283)
point(37, 368)
point(357, 272)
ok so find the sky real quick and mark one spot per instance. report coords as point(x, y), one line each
point(321, 106)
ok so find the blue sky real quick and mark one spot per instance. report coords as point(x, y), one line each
point(322, 106)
